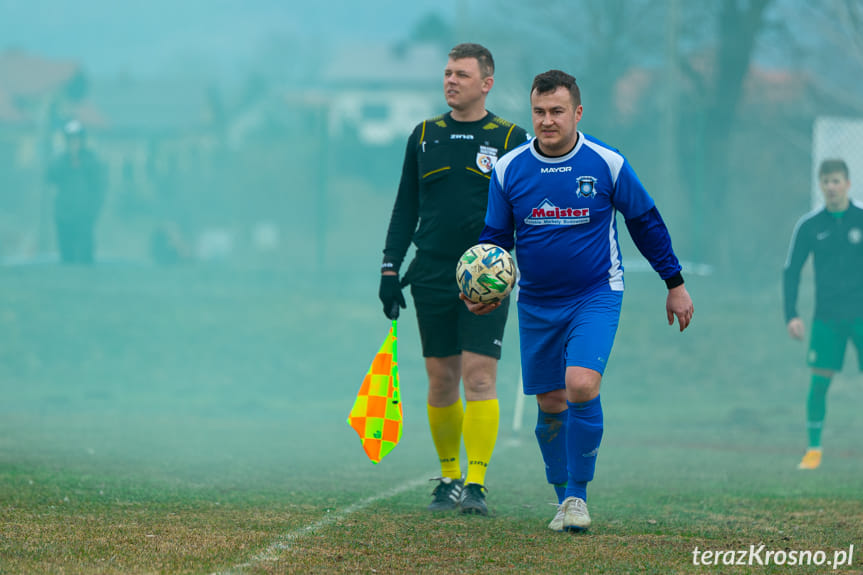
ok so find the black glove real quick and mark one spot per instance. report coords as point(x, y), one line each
point(391, 296)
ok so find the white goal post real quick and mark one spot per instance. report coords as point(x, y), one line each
point(838, 138)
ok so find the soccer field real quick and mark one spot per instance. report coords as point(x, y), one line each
point(192, 420)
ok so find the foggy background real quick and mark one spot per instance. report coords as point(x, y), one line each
point(249, 128)
point(262, 141)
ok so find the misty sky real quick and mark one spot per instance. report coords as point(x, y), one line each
point(142, 37)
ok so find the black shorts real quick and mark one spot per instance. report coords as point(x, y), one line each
point(446, 326)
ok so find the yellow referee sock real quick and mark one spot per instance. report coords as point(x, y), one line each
point(446, 424)
point(481, 422)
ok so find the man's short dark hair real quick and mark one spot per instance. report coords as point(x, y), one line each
point(554, 79)
point(832, 166)
point(481, 53)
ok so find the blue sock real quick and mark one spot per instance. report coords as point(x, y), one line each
point(584, 434)
point(551, 435)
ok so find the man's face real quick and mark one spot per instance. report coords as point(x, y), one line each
point(463, 84)
point(555, 121)
point(834, 187)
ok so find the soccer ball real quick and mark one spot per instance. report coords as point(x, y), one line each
point(485, 273)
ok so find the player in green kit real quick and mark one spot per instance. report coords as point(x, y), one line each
point(833, 235)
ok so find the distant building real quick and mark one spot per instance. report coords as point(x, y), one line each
point(37, 95)
point(380, 92)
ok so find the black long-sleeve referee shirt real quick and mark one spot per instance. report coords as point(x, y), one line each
point(835, 241)
point(443, 193)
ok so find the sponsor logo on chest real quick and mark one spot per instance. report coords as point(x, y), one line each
point(547, 214)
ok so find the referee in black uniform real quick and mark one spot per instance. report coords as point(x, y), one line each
point(833, 235)
point(440, 207)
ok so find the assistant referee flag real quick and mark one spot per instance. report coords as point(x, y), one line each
point(377, 412)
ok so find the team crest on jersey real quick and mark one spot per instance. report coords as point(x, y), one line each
point(486, 158)
point(586, 187)
point(855, 235)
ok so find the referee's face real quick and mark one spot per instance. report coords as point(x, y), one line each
point(555, 120)
point(463, 85)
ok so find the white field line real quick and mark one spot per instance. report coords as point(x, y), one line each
point(271, 553)
point(273, 550)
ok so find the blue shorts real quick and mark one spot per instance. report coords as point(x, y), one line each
point(579, 332)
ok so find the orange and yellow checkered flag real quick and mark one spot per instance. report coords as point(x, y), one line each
point(377, 412)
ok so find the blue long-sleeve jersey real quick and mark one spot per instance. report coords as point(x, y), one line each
point(562, 212)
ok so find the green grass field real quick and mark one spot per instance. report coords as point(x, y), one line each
point(193, 421)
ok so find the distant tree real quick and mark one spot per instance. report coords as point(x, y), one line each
point(291, 59)
point(595, 40)
point(78, 87)
point(836, 53)
point(431, 28)
point(849, 20)
point(708, 118)
point(698, 56)
point(255, 86)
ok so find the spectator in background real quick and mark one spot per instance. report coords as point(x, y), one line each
point(78, 179)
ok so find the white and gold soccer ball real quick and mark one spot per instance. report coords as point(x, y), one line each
point(485, 273)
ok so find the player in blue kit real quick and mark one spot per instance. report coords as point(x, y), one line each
point(559, 195)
